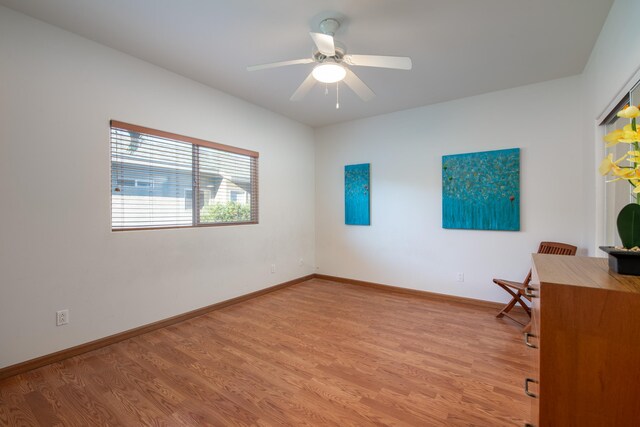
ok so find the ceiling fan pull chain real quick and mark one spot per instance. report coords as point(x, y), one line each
point(337, 95)
point(326, 89)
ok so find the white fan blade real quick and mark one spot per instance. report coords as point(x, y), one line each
point(358, 86)
point(304, 88)
point(324, 42)
point(279, 64)
point(396, 62)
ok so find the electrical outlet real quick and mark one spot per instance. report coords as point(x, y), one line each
point(273, 268)
point(460, 277)
point(62, 317)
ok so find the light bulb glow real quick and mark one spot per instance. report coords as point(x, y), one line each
point(329, 73)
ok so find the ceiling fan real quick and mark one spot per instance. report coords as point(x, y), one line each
point(333, 61)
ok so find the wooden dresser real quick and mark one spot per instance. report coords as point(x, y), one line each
point(585, 339)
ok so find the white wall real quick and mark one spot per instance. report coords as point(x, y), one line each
point(406, 245)
point(612, 68)
point(57, 94)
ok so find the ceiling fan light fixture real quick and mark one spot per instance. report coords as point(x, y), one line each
point(329, 73)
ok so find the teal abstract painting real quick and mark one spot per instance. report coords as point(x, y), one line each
point(481, 191)
point(357, 193)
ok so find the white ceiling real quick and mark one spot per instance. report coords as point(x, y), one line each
point(459, 47)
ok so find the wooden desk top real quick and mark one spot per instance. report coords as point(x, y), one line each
point(582, 271)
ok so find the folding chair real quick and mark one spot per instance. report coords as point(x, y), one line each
point(516, 289)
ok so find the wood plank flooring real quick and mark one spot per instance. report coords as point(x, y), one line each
point(317, 353)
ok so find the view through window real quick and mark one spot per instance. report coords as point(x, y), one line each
point(164, 180)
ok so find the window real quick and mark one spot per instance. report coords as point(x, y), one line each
point(204, 198)
point(155, 175)
point(237, 196)
point(144, 183)
point(617, 195)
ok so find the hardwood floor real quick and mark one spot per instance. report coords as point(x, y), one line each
point(316, 353)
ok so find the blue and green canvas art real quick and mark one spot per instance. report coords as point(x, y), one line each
point(481, 191)
point(356, 195)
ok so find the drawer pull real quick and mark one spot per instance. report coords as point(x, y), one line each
point(527, 335)
point(529, 425)
point(526, 387)
point(530, 292)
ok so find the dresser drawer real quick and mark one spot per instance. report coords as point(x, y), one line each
point(532, 341)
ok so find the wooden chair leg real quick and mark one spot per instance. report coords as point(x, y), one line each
point(516, 298)
point(507, 308)
point(524, 305)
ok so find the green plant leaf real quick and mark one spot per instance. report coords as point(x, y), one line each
point(225, 212)
point(629, 225)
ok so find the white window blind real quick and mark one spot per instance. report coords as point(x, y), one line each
point(165, 180)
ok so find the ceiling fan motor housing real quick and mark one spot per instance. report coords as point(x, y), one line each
point(320, 57)
point(329, 26)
